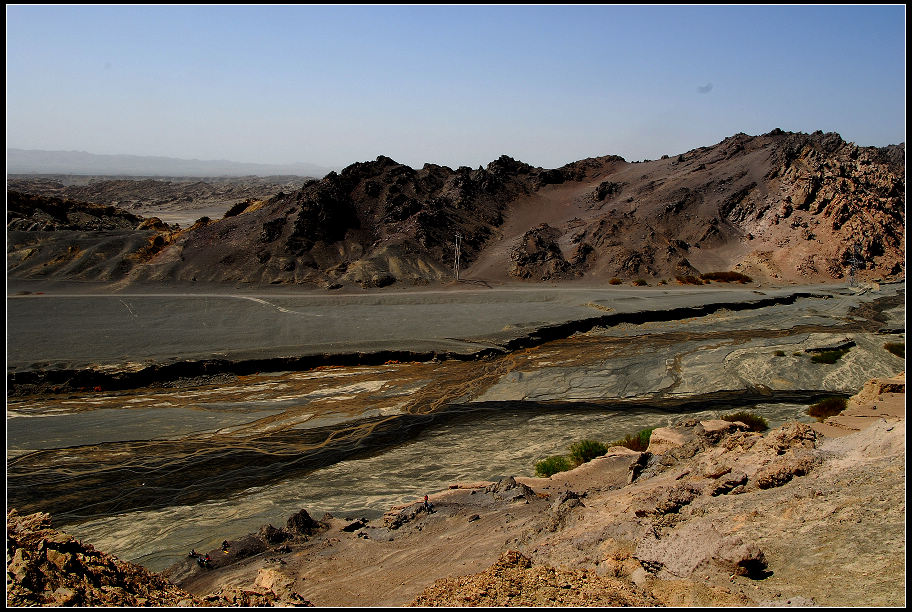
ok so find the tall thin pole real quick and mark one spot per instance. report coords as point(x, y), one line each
point(456, 256)
point(853, 261)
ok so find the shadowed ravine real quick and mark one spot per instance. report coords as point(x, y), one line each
point(217, 460)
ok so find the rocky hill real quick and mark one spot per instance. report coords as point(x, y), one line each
point(780, 207)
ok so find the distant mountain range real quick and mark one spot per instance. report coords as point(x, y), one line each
point(33, 161)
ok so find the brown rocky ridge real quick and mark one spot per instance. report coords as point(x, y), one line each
point(780, 207)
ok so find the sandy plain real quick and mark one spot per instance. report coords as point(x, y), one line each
point(77, 326)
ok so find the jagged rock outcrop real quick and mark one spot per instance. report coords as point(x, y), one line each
point(301, 523)
point(47, 567)
point(538, 255)
point(795, 206)
point(507, 489)
point(371, 224)
point(32, 213)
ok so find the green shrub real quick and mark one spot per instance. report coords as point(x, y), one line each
point(586, 450)
point(638, 441)
point(552, 465)
point(829, 356)
point(897, 348)
point(780, 353)
point(754, 422)
point(727, 277)
point(615, 281)
point(827, 407)
point(640, 282)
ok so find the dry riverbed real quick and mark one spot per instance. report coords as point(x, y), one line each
point(717, 516)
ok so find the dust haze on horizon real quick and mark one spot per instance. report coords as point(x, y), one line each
point(449, 85)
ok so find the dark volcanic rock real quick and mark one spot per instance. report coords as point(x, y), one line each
point(301, 523)
point(373, 223)
point(272, 535)
point(538, 256)
point(25, 212)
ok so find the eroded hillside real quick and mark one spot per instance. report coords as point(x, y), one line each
point(781, 207)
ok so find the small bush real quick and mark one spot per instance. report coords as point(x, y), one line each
point(897, 348)
point(754, 422)
point(552, 465)
point(615, 281)
point(638, 441)
point(727, 277)
point(827, 407)
point(688, 280)
point(586, 450)
point(829, 356)
point(780, 353)
point(640, 282)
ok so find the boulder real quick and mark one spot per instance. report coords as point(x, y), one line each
point(696, 547)
point(789, 436)
point(272, 535)
point(508, 489)
point(301, 523)
point(663, 439)
point(785, 467)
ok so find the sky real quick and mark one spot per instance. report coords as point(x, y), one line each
point(456, 85)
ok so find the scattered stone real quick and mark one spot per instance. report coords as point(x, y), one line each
point(395, 518)
point(514, 581)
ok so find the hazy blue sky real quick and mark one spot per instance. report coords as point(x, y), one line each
point(454, 85)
